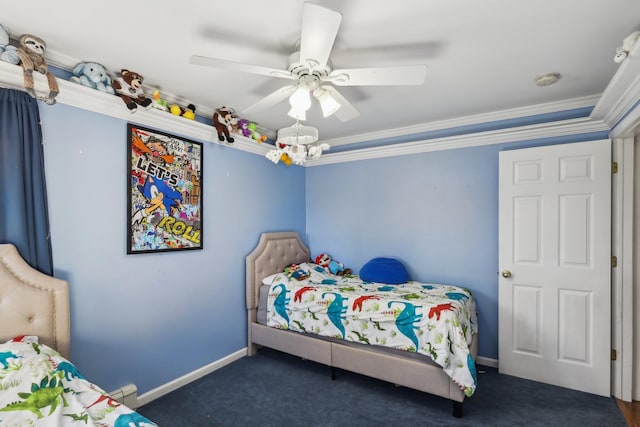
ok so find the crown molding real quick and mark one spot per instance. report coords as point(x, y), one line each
point(79, 96)
point(67, 63)
point(533, 110)
point(622, 94)
point(523, 133)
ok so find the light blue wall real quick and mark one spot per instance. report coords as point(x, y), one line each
point(436, 212)
point(151, 318)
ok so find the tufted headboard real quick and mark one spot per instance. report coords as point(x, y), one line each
point(272, 254)
point(32, 303)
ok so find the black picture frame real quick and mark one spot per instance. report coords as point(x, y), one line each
point(164, 188)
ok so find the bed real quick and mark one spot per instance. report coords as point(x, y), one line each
point(277, 250)
point(38, 384)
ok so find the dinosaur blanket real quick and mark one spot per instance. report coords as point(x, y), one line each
point(38, 387)
point(436, 320)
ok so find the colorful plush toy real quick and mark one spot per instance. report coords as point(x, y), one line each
point(129, 87)
point(294, 271)
point(8, 53)
point(31, 52)
point(253, 127)
point(159, 103)
point(93, 75)
point(243, 128)
point(222, 119)
point(334, 267)
point(189, 112)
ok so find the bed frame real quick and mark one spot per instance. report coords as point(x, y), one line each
point(32, 303)
point(272, 254)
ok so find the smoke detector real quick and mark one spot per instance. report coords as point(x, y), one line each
point(547, 79)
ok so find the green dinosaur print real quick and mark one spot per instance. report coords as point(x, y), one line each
point(361, 337)
point(378, 327)
point(300, 326)
point(82, 417)
point(47, 393)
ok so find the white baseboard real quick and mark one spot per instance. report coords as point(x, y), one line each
point(157, 392)
point(167, 388)
point(486, 361)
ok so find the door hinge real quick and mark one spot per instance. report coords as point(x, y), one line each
point(614, 261)
point(614, 167)
point(614, 354)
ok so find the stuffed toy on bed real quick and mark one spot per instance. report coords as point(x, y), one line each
point(333, 267)
point(295, 272)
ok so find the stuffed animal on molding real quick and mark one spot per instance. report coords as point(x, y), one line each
point(129, 87)
point(253, 127)
point(627, 44)
point(8, 53)
point(222, 119)
point(188, 112)
point(31, 52)
point(93, 75)
point(159, 103)
point(243, 128)
point(334, 267)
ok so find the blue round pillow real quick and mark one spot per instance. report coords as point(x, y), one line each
point(384, 270)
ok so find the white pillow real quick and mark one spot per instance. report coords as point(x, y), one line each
point(271, 279)
point(316, 274)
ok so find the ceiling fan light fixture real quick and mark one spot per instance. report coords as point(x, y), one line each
point(300, 102)
point(297, 135)
point(297, 114)
point(295, 141)
point(327, 102)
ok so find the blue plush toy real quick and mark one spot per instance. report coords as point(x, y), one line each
point(8, 53)
point(93, 75)
point(332, 266)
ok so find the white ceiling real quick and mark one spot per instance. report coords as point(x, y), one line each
point(482, 56)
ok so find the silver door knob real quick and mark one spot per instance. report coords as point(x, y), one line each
point(506, 274)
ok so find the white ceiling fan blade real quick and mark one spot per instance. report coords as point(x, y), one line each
point(408, 75)
point(319, 29)
point(346, 111)
point(272, 99)
point(238, 66)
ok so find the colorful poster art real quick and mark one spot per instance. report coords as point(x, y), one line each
point(165, 192)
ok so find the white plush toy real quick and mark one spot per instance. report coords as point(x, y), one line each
point(627, 44)
point(8, 53)
point(93, 75)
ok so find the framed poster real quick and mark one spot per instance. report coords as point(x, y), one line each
point(164, 187)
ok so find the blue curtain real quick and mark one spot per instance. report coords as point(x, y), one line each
point(24, 216)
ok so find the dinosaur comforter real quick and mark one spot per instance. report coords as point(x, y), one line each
point(435, 320)
point(38, 387)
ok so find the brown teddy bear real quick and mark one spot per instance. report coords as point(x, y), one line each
point(129, 87)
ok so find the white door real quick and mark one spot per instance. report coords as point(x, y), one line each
point(555, 265)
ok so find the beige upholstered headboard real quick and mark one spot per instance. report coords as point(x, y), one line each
point(32, 303)
point(272, 254)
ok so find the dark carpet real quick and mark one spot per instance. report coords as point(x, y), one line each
point(276, 389)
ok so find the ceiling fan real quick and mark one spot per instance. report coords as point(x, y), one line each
point(310, 69)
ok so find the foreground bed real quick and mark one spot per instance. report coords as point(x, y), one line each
point(38, 384)
point(273, 253)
